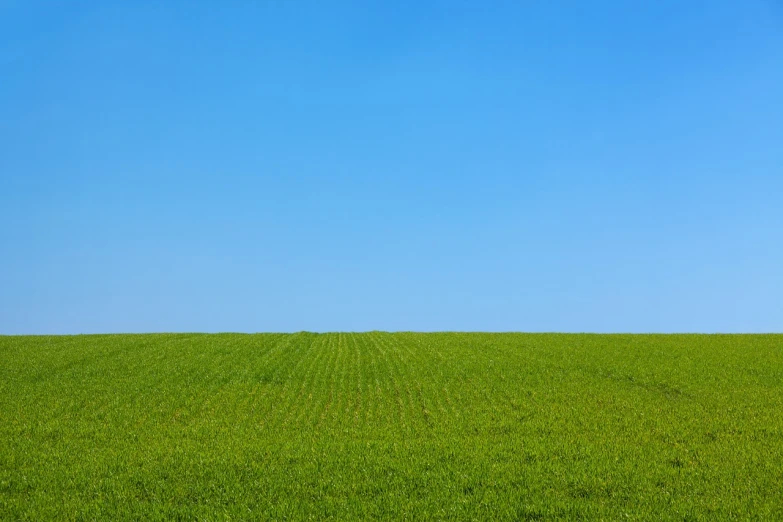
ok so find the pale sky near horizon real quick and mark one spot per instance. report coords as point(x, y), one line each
point(497, 166)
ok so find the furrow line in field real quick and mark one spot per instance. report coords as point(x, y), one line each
point(319, 388)
point(357, 378)
point(193, 385)
point(343, 364)
point(249, 409)
point(308, 396)
point(391, 392)
point(288, 396)
point(374, 394)
point(327, 382)
point(264, 345)
point(501, 389)
point(402, 382)
point(348, 385)
point(225, 366)
point(388, 395)
point(263, 386)
point(447, 406)
point(271, 374)
point(180, 385)
point(416, 361)
point(495, 397)
point(224, 372)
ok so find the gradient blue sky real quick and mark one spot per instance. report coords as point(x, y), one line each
point(279, 166)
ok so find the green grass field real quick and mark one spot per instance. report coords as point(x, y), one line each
point(404, 426)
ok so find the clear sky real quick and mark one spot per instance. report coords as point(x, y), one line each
point(279, 166)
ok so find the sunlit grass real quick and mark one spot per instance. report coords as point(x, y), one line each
point(377, 425)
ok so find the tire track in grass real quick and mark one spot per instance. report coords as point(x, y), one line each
point(370, 380)
point(408, 377)
point(391, 383)
point(383, 380)
point(165, 389)
point(327, 384)
point(416, 360)
point(357, 378)
point(424, 344)
point(385, 406)
point(509, 351)
point(450, 403)
point(308, 394)
point(287, 397)
point(344, 370)
point(402, 383)
point(488, 402)
point(447, 406)
point(172, 361)
point(314, 414)
point(455, 375)
point(363, 400)
point(300, 377)
point(266, 370)
point(346, 378)
point(247, 409)
point(341, 406)
point(270, 377)
point(197, 384)
point(350, 384)
point(257, 348)
point(500, 398)
point(257, 376)
point(242, 387)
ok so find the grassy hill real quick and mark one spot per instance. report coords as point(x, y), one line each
point(378, 425)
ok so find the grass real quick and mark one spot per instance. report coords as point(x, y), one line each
point(403, 426)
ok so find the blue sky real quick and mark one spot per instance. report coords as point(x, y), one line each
point(280, 166)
